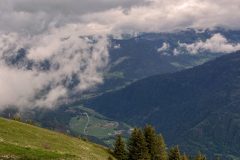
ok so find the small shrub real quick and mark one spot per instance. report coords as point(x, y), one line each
point(110, 158)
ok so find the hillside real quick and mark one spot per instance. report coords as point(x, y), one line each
point(130, 59)
point(138, 57)
point(23, 141)
point(197, 108)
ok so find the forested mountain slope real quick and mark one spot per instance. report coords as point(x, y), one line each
point(198, 108)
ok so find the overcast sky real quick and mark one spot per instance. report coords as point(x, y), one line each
point(119, 15)
point(50, 29)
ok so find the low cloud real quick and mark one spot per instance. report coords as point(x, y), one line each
point(164, 47)
point(70, 56)
point(50, 50)
point(216, 44)
point(119, 16)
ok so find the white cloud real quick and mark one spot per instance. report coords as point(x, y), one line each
point(163, 15)
point(85, 57)
point(119, 15)
point(216, 44)
point(117, 46)
point(164, 47)
point(72, 36)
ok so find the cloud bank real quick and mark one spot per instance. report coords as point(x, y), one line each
point(119, 15)
point(56, 64)
point(216, 44)
point(50, 50)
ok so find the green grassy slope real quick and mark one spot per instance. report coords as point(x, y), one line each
point(23, 141)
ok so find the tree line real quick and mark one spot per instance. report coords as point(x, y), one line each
point(146, 144)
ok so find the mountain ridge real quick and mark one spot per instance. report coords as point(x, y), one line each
point(182, 104)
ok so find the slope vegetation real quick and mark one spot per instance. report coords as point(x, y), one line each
point(23, 141)
point(198, 108)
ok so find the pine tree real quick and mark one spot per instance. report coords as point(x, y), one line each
point(200, 156)
point(137, 146)
point(155, 144)
point(161, 153)
point(174, 153)
point(119, 151)
point(185, 157)
point(150, 137)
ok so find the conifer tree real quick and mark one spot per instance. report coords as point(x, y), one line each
point(150, 137)
point(161, 153)
point(119, 151)
point(137, 146)
point(174, 153)
point(185, 157)
point(200, 156)
point(155, 144)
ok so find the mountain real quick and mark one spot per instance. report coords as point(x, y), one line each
point(198, 108)
point(131, 59)
point(23, 141)
point(134, 58)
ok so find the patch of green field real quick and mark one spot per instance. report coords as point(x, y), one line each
point(98, 126)
point(21, 140)
point(201, 61)
point(114, 75)
point(176, 64)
